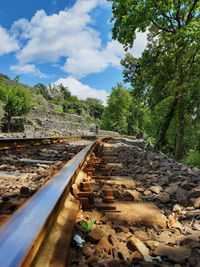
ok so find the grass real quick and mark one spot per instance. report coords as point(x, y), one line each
point(89, 120)
point(193, 159)
point(58, 109)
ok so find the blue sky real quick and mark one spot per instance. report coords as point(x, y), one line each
point(62, 41)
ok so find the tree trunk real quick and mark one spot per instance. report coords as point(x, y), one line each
point(8, 123)
point(166, 123)
point(180, 131)
point(170, 114)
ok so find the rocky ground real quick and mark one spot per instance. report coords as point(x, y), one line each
point(24, 170)
point(157, 219)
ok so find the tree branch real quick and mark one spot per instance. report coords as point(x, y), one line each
point(177, 15)
point(170, 21)
point(168, 18)
point(162, 28)
point(192, 58)
point(189, 16)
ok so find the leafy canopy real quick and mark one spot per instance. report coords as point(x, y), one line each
point(115, 117)
point(166, 77)
point(17, 100)
point(172, 17)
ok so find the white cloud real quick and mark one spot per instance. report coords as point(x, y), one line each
point(70, 34)
point(93, 60)
point(82, 91)
point(8, 43)
point(139, 44)
point(28, 69)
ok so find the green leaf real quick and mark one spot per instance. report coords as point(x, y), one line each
point(88, 226)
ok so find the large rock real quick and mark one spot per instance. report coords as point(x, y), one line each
point(156, 189)
point(197, 203)
point(103, 245)
point(140, 246)
point(177, 253)
point(140, 213)
point(96, 234)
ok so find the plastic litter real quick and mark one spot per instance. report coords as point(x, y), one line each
point(79, 241)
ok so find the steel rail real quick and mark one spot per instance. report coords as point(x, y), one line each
point(19, 235)
point(12, 143)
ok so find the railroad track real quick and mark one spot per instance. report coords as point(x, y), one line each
point(29, 225)
point(27, 164)
point(107, 206)
point(13, 143)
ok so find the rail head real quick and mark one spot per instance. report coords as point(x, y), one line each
point(13, 143)
point(18, 235)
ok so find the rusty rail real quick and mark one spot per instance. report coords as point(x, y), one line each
point(22, 235)
point(12, 143)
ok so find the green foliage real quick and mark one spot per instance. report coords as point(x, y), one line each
point(135, 118)
point(65, 92)
point(58, 93)
point(17, 78)
point(193, 159)
point(55, 93)
point(1, 110)
point(4, 77)
point(61, 95)
point(161, 18)
point(88, 226)
point(96, 111)
point(40, 102)
point(92, 101)
point(73, 107)
point(116, 114)
point(89, 120)
point(43, 90)
point(58, 109)
point(166, 77)
point(17, 101)
point(71, 111)
point(90, 106)
point(95, 107)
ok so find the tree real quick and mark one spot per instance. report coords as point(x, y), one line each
point(64, 91)
point(17, 78)
point(17, 101)
point(174, 37)
point(43, 90)
point(93, 101)
point(73, 107)
point(136, 117)
point(4, 77)
point(116, 114)
point(96, 111)
point(55, 93)
point(40, 102)
point(95, 107)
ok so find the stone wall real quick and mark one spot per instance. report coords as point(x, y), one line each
point(103, 132)
point(35, 113)
point(40, 124)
